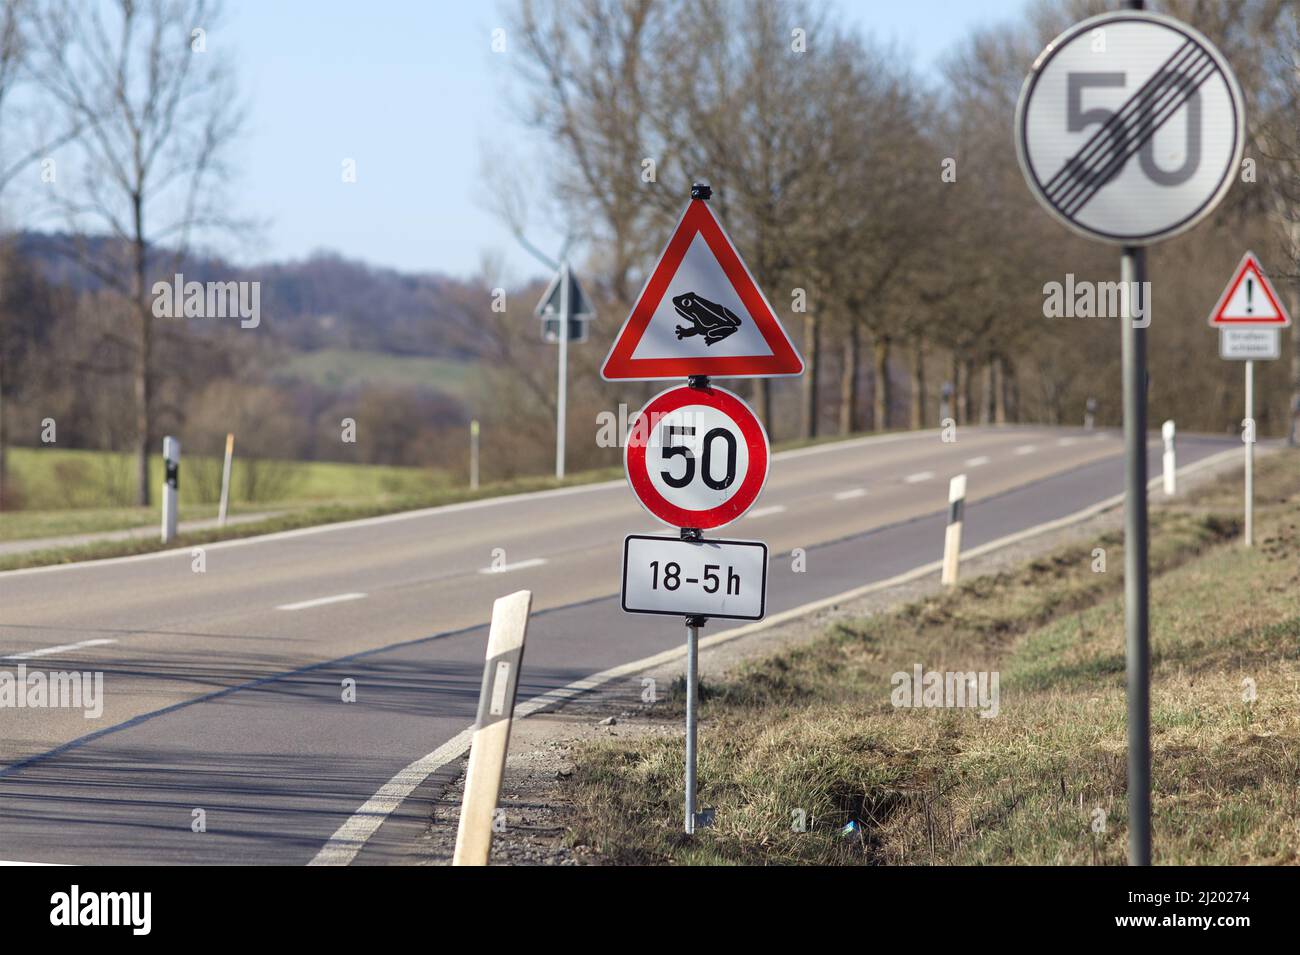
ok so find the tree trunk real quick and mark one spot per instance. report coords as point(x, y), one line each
point(849, 381)
point(918, 383)
point(882, 389)
point(2, 426)
point(1012, 382)
point(986, 394)
point(954, 400)
point(142, 389)
point(1293, 432)
point(999, 390)
point(812, 364)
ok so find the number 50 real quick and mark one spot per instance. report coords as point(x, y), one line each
point(1078, 119)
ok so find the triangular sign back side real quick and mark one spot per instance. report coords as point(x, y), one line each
point(1250, 299)
point(701, 313)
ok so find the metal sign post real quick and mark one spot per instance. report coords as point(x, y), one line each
point(562, 394)
point(1137, 655)
point(1248, 316)
point(564, 304)
point(1097, 147)
point(1248, 438)
point(696, 457)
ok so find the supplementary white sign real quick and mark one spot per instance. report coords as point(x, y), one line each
point(1130, 127)
point(706, 578)
point(1250, 344)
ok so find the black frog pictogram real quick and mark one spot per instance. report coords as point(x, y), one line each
point(710, 320)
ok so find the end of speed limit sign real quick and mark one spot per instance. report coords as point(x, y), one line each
point(1130, 127)
point(696, 457)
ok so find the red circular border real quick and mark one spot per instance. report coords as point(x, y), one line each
point(638, 475)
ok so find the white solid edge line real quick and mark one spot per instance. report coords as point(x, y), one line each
point(321, 601)
point(63, 648)
point(350, 837)
point(440, 509)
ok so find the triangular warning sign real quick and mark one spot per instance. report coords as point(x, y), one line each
point(1250, 299)
point(552, 299)
point(701, 313)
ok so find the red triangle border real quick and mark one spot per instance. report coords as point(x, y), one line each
point(699, 220)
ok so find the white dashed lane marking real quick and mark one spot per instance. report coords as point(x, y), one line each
point(764, 511)
point(518, 565)
point(976, 462)
point(918, 477)
point(320, 601)
point(851, 494)
point(62, 648)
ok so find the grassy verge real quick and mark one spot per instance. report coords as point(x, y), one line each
point(813, 730)
point(306, 517)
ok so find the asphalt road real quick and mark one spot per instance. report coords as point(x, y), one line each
point(223, 689)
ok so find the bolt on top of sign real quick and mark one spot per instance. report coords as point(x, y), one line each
point(701, 313)
point(1130, 127)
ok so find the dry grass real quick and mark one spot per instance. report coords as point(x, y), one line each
point(813, 730)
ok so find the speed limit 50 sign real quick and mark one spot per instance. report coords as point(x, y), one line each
point(1130, 127)
point(696, 457)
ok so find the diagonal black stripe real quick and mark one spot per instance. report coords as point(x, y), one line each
point(1108, 127)
point(1085, 163)
point(1172, 85)
point(1153, 125)
point(1158, 98)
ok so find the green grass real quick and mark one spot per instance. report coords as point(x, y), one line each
point(304, 516)
point(813, 729)
point(340, 368)
point(55, 479)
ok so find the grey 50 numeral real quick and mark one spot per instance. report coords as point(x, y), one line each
point(1079, 119)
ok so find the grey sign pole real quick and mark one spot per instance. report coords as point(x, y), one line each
point(692, 703)
point(561, 398)
point(1133, 272)
point(1249, 437)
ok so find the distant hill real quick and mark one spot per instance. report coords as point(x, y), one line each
point(323, 302)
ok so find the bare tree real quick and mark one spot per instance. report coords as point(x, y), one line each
point(158, 113)
point(38, 138)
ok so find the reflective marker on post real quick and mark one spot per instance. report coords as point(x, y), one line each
point(496, 707)
point(1170, 459)
point(171, 487)
point(952, 536)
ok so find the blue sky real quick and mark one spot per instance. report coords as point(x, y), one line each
point(411, 90)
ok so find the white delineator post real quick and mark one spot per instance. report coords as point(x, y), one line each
point(496, 707)
point(171, 487)
point(1170, 459)
point(1248, 437)
point(952, 536)
point(225, 481)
